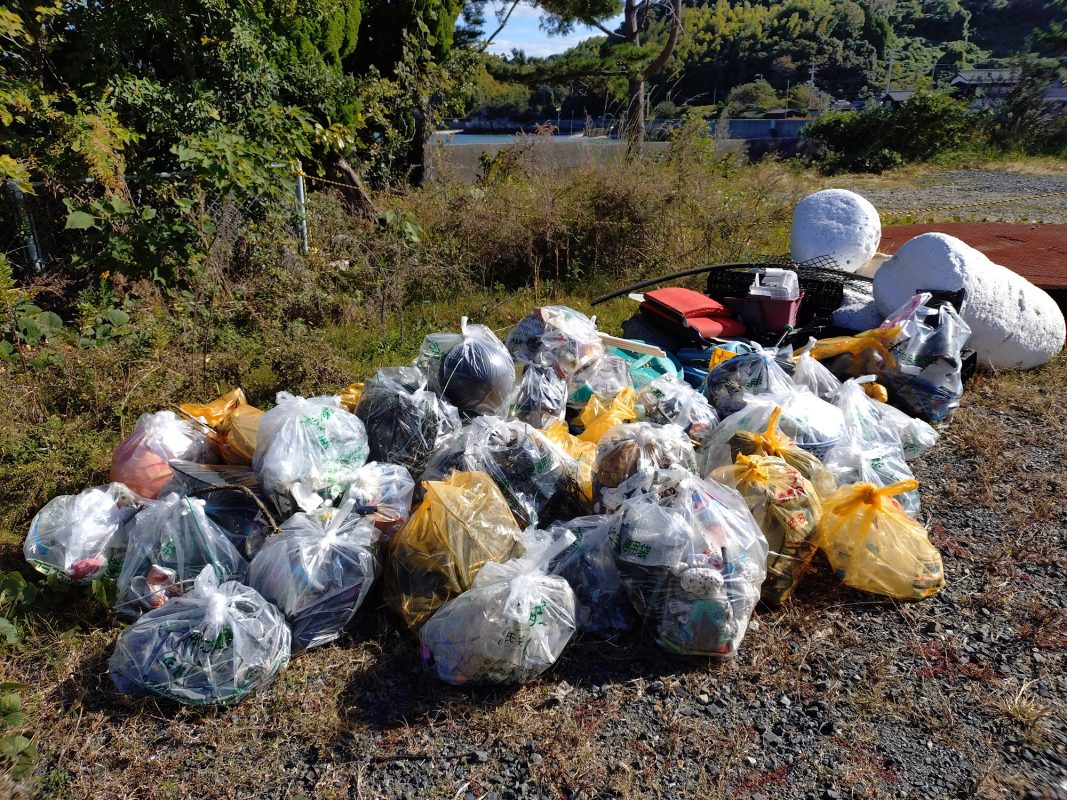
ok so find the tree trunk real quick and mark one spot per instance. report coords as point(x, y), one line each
point(635, 118)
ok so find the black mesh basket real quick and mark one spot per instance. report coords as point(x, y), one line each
point(822, 284)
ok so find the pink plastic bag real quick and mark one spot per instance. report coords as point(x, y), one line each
point(142, 461)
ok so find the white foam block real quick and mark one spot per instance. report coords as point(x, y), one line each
point(835, 223)
point(857, 312)
point(1014, 325)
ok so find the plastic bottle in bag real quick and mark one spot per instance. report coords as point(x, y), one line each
point(630, 458)
point(384, 492)
point(82, 536)
point(556, 337)
point(405, 421)
point(142, 460)
point(588, 565)
point(693, 560)
point(472, 369)
point(308, 451)
point(874, 546)
point(213, 645)
point(170, 543)
point(318, 570)
point(540, 398)
point(787, 508)
point(665, 401)
point(463, 523)
point(510, 626)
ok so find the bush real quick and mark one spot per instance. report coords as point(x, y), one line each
point(877, 138)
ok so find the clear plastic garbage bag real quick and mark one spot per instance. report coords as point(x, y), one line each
point(927, 378)
point(405, 421)
point(472, 369)
point(772, 442)
point(588, 565)
point(605, 377)
point(693, 561)
point(556, 337)
point(869, 423)
point(82, 536)
point(384, 492)
point(308, 451)
point(875, 547)
point(540, 398)
point(787, 509)
point(539, 479)
point(666, 401)
point(142, 460)
point(580, 450)
point(630, 458)
point(879, 464)
point(810, 374)
point(463, 523)
point(510, 626)
point(318, 570)
point(213, 645)
point(730, 384)
point(170, 543)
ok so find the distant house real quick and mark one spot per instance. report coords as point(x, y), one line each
point(895, 98)
point(987, 85)
point(1056, 98)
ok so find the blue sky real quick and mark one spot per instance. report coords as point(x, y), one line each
point(523, 32)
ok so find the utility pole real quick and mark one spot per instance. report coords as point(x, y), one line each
point(811, 80)
point(889, 72)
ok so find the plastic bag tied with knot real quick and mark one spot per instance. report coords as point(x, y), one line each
point(874, 546)
point(81, 537)
point(383, 492)
point(308, 451)
point(318, 570)
point(787, 509)
point(472, 369)
point(213, 645)
point(666, 401)
point(463, 523)
point(511, 625)
point(693, 560)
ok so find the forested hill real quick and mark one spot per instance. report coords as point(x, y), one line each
point(852, 44)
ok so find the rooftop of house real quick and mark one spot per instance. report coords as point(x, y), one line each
point(990, 75)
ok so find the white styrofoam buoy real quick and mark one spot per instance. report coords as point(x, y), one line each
point(857, 312)
point(1014, 325)
point(835, 223)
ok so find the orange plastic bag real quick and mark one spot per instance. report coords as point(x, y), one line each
point(599, 416)
point(772, 442)
point(787, 509)
point(581, 451)
point(235, 424)
point(218, 409)
point(463, 523)
point(350, 396)
point(874, 546)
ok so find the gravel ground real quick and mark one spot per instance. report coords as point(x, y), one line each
point(944, 195)
point(839, 695)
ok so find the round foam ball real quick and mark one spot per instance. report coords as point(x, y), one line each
point(838, 224)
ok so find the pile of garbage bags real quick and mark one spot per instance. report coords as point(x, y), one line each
point(501, 497)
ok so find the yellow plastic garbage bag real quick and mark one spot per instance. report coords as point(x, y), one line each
point(350, 396)
point(599, 416)
point(868, 351)
point(581, 451)
point(787, 509)
point(772, 442)
point(235, 422)
point(874, 546)
point(463, 523)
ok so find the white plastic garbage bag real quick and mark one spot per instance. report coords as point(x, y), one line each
point(170, 543)
point(869, 423)
point(665, 401)
point(693, 560)
point(142, 460)
point(810, 374)
point(308, 451)
point(213, 645)
point(318, 570)
point(510, 626)
point(81, 536)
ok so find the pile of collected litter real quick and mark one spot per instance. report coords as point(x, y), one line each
point(508, 495)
